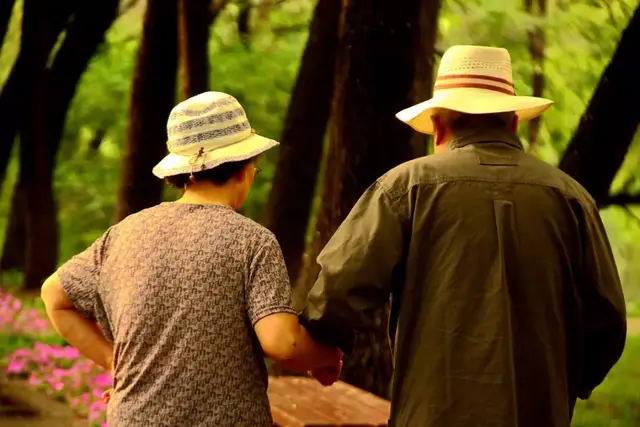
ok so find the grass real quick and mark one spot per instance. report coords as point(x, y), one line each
point(633, 309)
point(11, 343)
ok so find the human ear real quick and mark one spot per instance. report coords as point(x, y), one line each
point(438, 133)
point(514, 124)
point(243, 174)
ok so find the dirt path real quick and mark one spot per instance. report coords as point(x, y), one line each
point(22, 406)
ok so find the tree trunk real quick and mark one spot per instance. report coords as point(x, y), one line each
point(301, 145)
point(6, 8)
point(14, 248)
point(12, 100)
point(601, 141)
point(244, 23)
point(84, 35)
point(375, 74)
point(536, 48)
point(194, 21)
point(96, 142)
point(41, 227)
point(217, 6)
point(152, 98)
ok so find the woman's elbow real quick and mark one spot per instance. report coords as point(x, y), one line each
point(280, 349)
point(53, 294)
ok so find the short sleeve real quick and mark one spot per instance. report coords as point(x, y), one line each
point(80, 277)
point(268, 290)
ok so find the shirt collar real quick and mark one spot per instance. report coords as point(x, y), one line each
point(479, 135)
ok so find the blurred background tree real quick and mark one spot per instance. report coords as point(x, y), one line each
point(87, 88)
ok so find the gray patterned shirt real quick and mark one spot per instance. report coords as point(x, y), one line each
point(177, 289)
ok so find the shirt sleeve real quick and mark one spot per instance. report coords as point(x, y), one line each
point(603, 303)
point(357, 268)
point(268, 290)
point(80, 277)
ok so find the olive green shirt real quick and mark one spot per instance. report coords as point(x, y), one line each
point(506, 301)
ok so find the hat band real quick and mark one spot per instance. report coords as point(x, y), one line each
point(475, 77)
point(190, 125)
point(438, 87)
point(233, 134)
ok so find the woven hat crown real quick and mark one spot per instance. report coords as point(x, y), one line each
point(206, 122)
point(475, 67)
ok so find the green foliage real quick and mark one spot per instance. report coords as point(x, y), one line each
point(581, 37)
point(616, 401)
point(11, 343)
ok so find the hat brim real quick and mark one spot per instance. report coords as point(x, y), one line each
point(175, 164)
point(472, 101)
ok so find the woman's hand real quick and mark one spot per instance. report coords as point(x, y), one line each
point(106, 396)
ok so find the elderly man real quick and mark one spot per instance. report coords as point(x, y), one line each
point(506, 302)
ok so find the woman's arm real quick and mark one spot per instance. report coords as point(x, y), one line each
point(80, 332)
point(287, 342)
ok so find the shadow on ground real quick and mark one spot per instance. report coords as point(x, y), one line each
point(22, 406)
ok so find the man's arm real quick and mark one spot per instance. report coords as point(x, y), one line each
point(268, 296)
point(603, 303)
point(357, 269)
point(74, 327)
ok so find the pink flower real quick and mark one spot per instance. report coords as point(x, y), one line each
point(34, 380)
point(16, 366)
point(59, 371)
point(104, 380)
point(96, 409)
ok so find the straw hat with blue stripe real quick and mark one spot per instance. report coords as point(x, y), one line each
point(206, 131)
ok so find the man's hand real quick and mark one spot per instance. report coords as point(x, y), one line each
point(327, 375)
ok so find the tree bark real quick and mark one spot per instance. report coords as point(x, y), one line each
point(6, 8)
point(83, 37)
point(42, 239)
point(217, 6)
point(194, 21)
point(96, 142)
point(601, 141)
point(536, 48)
point(14, 247)
point(12, 100)
point(244, 28)
point(375, 74)
point(84, 34)
point(301, 145)
point(152, 98)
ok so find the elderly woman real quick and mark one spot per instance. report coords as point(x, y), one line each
point(182, 300)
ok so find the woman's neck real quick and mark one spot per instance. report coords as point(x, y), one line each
point(208, 195)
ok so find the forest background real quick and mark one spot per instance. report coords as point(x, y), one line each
point(87, 87)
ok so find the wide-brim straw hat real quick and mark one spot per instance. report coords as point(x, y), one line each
point(473, 80)
point(206, 131)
